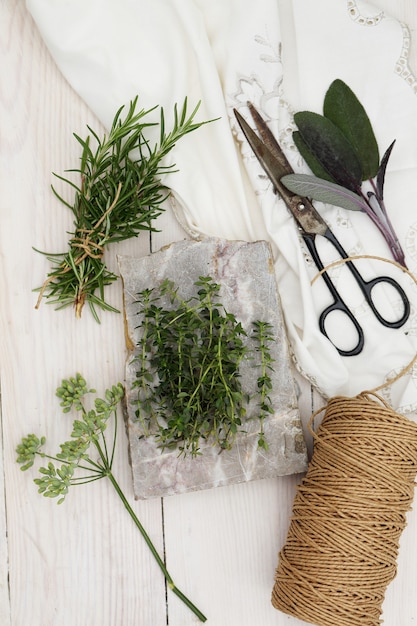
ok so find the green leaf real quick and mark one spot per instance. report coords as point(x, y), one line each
point(310, 158)
point(323, 191)
point(343, 108)
point(380, 179)
point(329, 145)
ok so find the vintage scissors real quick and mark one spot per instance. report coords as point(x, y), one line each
point(310, 223)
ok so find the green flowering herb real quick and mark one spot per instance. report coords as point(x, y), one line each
point(74, 464)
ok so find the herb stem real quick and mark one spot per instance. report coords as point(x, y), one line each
point(95, 467)
point(154, 551)
point(384, 225)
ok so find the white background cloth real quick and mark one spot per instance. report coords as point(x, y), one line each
point(281, 55)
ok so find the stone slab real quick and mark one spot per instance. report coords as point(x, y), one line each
point(248, 290)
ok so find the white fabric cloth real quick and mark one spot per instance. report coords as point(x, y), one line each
point(281, 55)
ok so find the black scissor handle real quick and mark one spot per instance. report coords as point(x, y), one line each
point(367, 286)
point(339, 305)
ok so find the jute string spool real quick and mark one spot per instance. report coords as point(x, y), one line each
point(349, 512)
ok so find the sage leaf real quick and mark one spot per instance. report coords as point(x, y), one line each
point(343, 108)
point(323, 191)
point(329, 145)
point(310, 158)
point(380, 179)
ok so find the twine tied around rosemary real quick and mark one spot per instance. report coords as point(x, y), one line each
point(349, 511)
point(88, 248)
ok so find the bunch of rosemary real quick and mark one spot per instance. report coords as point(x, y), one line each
point(75, 465)
point(188, 360)
point(119, 194)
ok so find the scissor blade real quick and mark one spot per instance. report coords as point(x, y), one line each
point(269, 140)
point(265, 156)
point(275, 164)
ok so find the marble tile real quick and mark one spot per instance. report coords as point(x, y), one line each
point(248, 290)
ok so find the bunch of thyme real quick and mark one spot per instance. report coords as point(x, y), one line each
point(188, 382)
point(74, 465)
point(120, 193)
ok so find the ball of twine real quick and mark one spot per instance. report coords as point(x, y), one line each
point(348, 514)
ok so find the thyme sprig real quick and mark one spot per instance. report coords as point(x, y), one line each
point(263, 334)
point(119, 195)
point(74, 464)
point(188, 361)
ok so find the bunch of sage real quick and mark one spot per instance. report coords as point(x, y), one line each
point(341, 150)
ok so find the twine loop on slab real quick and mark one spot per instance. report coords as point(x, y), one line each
point(349, 512)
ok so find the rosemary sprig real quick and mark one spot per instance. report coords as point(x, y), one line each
point(73, 465)
point(119, 195)
point(188, 362)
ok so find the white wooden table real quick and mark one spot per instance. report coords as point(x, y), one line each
point(84, 563)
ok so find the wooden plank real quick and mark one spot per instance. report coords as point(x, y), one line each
point(4, 557)
point(225, 545)
point(222, 544)
point(83, 562)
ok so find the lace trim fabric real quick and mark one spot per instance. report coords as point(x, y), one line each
point(402, 67)
point(363, 20)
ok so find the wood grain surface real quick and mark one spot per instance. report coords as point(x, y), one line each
point(84, 563)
